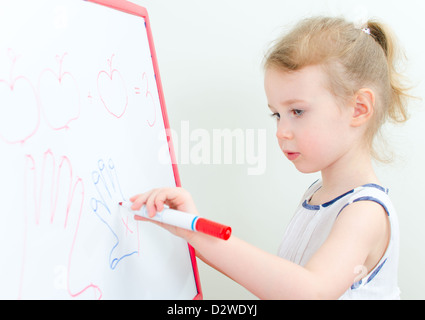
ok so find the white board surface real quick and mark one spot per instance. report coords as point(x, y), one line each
point(81, 128)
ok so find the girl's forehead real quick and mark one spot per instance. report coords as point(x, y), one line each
point(313, 73)
point(304, 83)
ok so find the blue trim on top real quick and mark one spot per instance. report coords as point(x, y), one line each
point(374, 273)
point(328, 204)
point(308, 206)
point(374, 200)
point(372, 185)
point(366, 199)
point(357, 285)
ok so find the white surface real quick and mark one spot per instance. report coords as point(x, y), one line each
point(81, 129)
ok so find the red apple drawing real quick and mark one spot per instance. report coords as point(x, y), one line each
point(59, 96)
point(112, 91)
point(19, 108)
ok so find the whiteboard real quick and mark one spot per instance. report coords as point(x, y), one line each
point(83, 126)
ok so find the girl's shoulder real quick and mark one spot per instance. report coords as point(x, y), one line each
point(372, 193)
point(368, 192)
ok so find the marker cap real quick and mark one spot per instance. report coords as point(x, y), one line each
point(213, 228)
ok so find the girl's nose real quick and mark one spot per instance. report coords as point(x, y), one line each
point(283, 131)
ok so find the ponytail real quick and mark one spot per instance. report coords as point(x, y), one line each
point(397, 109)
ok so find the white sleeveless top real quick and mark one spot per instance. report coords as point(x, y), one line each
point(311, 226)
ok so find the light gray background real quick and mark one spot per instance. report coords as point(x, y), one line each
point(210, 55)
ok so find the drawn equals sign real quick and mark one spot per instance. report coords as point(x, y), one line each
point(137, 90)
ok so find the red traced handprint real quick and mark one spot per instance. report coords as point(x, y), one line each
point(59, 96)
point(112, 90)
point(19, 107)
point(54, 200)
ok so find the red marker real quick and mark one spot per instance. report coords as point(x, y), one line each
point(184, 220)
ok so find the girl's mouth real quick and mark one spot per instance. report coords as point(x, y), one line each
point(292, 156)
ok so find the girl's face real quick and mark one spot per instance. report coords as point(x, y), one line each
point(313, 131)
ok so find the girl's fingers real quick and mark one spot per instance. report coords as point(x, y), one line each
point(150, 203)
point(159, 201)
point(155, 199)
point(133, 198)
point(139, 200)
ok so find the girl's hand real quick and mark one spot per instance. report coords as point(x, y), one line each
point(175, 198)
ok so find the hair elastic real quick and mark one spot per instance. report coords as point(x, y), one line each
point(367, 31)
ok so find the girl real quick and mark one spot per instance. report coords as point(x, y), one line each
point(330, 86)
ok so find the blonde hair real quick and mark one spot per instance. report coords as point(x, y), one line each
point(353, 58)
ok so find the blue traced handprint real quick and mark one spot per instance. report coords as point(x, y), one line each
point(105, 206)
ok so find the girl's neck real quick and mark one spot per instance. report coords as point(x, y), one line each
point(344, 175)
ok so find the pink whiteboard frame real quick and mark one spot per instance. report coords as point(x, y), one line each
point(131, 8)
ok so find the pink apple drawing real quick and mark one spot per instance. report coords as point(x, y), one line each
point(19, 108)
point(112, 90)
point(59, 96)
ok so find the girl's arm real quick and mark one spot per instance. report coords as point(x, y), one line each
point(356, 240)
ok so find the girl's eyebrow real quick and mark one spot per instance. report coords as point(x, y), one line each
point(289, 102)
point(292, 101)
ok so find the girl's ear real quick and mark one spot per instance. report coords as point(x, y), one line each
point(363, 107)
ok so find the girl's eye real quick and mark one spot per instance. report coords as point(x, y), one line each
point(297, 112)
point(276, 116)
